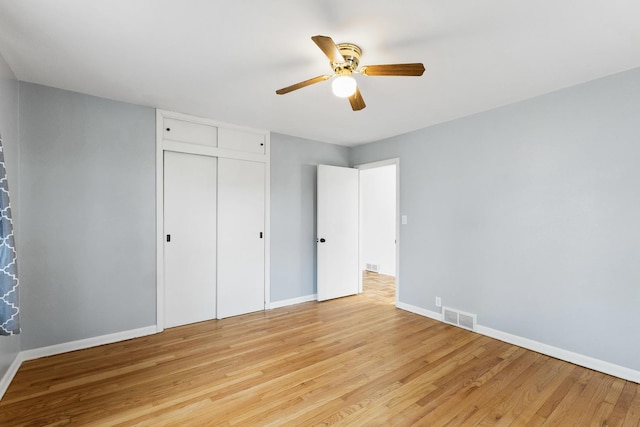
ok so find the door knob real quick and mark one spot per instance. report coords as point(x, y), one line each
point(322, 240)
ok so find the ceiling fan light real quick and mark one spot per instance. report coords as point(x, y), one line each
point(343, 86)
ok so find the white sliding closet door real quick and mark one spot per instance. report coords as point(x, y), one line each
point(189, 238)
point(241, 249)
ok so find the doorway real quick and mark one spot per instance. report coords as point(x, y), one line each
point(379, 212)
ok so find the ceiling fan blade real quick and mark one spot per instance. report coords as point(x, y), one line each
point(356, 101)
point(303, 84)
point(415, 69)
point(329, 48)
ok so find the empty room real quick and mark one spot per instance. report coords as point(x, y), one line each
point(319, 212)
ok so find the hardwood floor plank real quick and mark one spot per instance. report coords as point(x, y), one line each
point(622, 404)
point(519, 368)
point(632, 417)
point(351, 361)
point(533, 392)
point(564, 408)
point(601, 404)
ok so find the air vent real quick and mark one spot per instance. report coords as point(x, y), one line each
point(459, 318)
point(373, 267)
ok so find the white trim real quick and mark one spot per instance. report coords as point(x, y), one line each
point(6, 379)
point(562, 354)
point(185, 147)
point(549, 350)
point(421, 311)
point(205, 121)
point(267, 222)
point(159, 223)
point(378, 164)
point(66, 347)
point(293, 301)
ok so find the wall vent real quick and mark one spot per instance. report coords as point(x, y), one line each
point(459, 318)
point(373, 267)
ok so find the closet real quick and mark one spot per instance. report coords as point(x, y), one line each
point(212, 216)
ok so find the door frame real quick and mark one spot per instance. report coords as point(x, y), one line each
point(372, 165)
point(163, 145)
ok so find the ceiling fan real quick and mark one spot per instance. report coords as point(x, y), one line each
point(344, 59)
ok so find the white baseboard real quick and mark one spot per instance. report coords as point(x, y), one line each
point(562, 354)
point(293, 301)
point(421, 311)
point(66, 347)
point(387, 273)
point(52, 350)
point(11, 372)
point(549, 350)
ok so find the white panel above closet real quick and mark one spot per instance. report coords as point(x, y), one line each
point(241, 140)
point(193, 133)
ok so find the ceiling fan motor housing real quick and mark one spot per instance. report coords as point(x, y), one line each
point(351, 54)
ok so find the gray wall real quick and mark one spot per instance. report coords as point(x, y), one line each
point(88, 216)
point(294, 163)
point(526, 215)
point(10, 346)
point(529, 216)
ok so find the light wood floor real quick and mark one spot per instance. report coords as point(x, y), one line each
point(352, 361)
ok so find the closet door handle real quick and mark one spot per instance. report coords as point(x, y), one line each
point(261, 234)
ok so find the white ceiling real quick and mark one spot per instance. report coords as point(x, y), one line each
point(224, 59)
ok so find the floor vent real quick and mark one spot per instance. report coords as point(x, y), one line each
point(373, 267)
point(459, 318)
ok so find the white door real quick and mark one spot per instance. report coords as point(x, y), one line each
point(241, 189)
point(190, 238)
point(337, 246)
